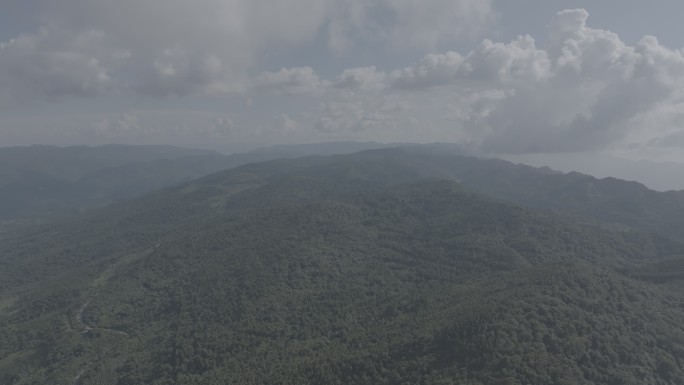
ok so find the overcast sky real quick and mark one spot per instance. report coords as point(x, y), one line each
point(506, 76)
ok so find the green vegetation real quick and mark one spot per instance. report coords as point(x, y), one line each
point(361, 269)
point(47, 182)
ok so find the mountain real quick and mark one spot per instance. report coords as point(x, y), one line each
point(40, 182)
point(35, 186)
point(325, 148)
point(612, 202)
point(368, 268)
point(73, 163)
point(37, 181)
point(661, 176)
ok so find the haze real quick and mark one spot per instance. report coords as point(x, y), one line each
point(549, 81)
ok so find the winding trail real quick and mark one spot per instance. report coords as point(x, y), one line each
point(79, 319)
point(78, 376)
point(84, 328)
point(87, 328)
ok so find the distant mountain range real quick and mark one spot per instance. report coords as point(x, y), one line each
point(661, 176)
point(49, 181)
point(399, 265)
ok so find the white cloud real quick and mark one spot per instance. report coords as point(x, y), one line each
point(290, 81)
point(283, 124)
point(180, 73)
point(172, 124)
point(518, 62)
point(223, 125)
point(405, 23)
point(587, 96)
point(124, 124)
point(584, 89)
point(181, 47)
point(361, 78)
point(51, 64)
point(432, 70)
point(184, 48)
point(359, 116)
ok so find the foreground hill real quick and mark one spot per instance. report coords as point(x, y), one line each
point(359, 269)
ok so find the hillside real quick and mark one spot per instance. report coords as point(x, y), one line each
point(616, 203)
point(37, 194)
point(44, 181)
point(366, 269)
point(75, 162)
point(47, 182)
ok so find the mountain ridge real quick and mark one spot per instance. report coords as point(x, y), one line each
point(321, 270)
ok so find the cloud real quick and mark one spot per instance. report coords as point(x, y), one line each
point(180, 73)
point(361, 78)
point(583, 89)
point(51, 64)
point(290, 81)
point(223, 125)
point(432, 70)
point(586, 97)
point(359, 116)
point(121, 125)
point(283, 124)
point(489, 65)
point(174, 125)
point(405, 23)
point(181, 48)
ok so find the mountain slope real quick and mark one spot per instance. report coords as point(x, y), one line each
point(622, 204)
point(75, 162)
point(335, 270)
point(39, 182)
point(47, 180)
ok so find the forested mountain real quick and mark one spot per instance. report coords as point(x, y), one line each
point(66, 180)
point(371, 268)
point(75, 162)
point(661, 176)
point(618, 203)
point(41, 182)
point(49, 180)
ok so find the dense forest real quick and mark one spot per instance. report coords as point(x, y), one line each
point(39, 183)
point(397, 266)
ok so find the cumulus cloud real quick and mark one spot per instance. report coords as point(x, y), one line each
point(432, 70)
point(52, 64)
point(584, 91)
point(180, 73)
point(182, 48)
point(361, 78)
point(223, 125)
point(284, 124)
point(290, 81)
point(583, 94)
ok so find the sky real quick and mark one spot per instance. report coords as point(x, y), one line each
point(502, 76)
